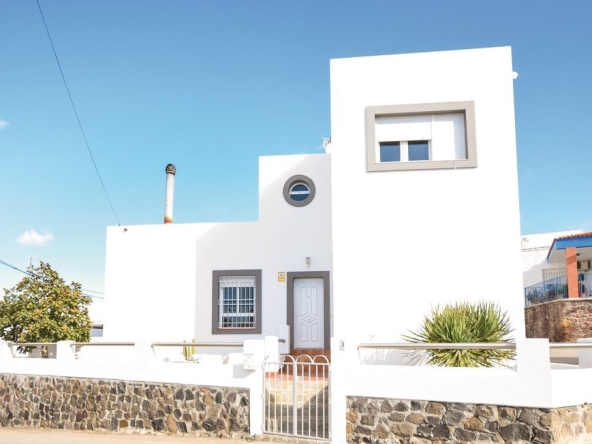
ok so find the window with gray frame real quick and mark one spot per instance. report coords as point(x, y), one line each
point(422, 136)
point(299, 190)
point(236, 301)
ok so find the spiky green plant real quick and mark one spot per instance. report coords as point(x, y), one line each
point(463, 322)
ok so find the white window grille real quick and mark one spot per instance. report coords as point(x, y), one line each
point(549, 274)
point(236, 302)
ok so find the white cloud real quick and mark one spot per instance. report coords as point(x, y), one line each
point(3, 124)
point(31, 237)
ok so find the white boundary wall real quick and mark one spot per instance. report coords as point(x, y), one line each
point(142, 365)
point(532, 382)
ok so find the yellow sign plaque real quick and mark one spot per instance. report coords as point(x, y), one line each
point(281, 276)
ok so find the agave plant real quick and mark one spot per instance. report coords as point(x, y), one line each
point(463, 323)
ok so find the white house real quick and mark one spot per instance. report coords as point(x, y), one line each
point(419, 180)
point(228, 282)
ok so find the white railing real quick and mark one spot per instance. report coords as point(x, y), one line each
point(465, 345)
point(438, 346)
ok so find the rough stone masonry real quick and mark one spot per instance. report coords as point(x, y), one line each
point(372, 420)
point(120, 406)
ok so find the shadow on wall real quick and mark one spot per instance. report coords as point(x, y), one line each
point(383, 357)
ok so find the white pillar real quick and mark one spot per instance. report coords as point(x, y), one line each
point(5, 352)
point(254, 354)
point(65, 351)
point(143, 352)
point(585, 354)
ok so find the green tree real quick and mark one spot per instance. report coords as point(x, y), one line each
point(481, 322)
point(42, 308)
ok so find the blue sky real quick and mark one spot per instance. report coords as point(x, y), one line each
point(212, 85)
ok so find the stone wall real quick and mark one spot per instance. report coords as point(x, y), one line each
point(372, 420)
point(120, 406)
point(563, 320)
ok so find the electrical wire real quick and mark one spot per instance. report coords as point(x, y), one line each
point(13, 267)
point(29, 274)
point(76, 114)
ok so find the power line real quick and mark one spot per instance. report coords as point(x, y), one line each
point(76, 114)
point(13, 267)
point(29, 274)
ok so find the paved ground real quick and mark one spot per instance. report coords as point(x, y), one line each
point(52, 436)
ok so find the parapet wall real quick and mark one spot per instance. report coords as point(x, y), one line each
point(563, 320)
point(120, 406)
point(374, 420)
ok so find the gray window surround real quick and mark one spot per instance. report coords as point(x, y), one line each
point(299, 178)
point(325, 275)
point(215, 307)
point(467, 108)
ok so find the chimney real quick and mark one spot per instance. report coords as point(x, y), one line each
point(170, 193)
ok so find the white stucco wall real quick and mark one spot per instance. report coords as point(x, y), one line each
point(158, 280)
point(404, 241)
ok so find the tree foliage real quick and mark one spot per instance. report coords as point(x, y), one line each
point(482, 322)
point(42, 308)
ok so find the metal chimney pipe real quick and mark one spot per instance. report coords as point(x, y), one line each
point(170, 193)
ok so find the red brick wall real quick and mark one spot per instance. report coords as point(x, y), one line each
point(563, 320)
point(571, 267)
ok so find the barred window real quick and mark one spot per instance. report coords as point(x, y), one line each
point(236, 301)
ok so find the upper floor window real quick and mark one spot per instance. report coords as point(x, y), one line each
point(425, 136)
point(404, 151)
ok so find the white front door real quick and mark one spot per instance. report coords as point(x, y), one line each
point(308, 313)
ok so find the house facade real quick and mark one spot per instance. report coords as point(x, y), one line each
point(419, 179)
point(228, 282)
point(410, 234)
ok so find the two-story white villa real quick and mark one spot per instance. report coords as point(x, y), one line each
point(419, 180)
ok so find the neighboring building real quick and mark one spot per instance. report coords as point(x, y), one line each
point(420, 181)
point(535, 250)
point(557, 265)
point(558, 285)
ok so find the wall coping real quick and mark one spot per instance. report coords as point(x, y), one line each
point(560, 300)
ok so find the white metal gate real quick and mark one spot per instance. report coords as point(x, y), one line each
point(297, 397)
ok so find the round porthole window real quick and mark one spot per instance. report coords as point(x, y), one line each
point(299, 190)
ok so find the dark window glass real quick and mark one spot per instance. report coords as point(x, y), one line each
point(390, 152)
point(419, 150)
point(299, 192)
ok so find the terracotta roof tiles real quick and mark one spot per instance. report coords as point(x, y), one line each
point(575, 236)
